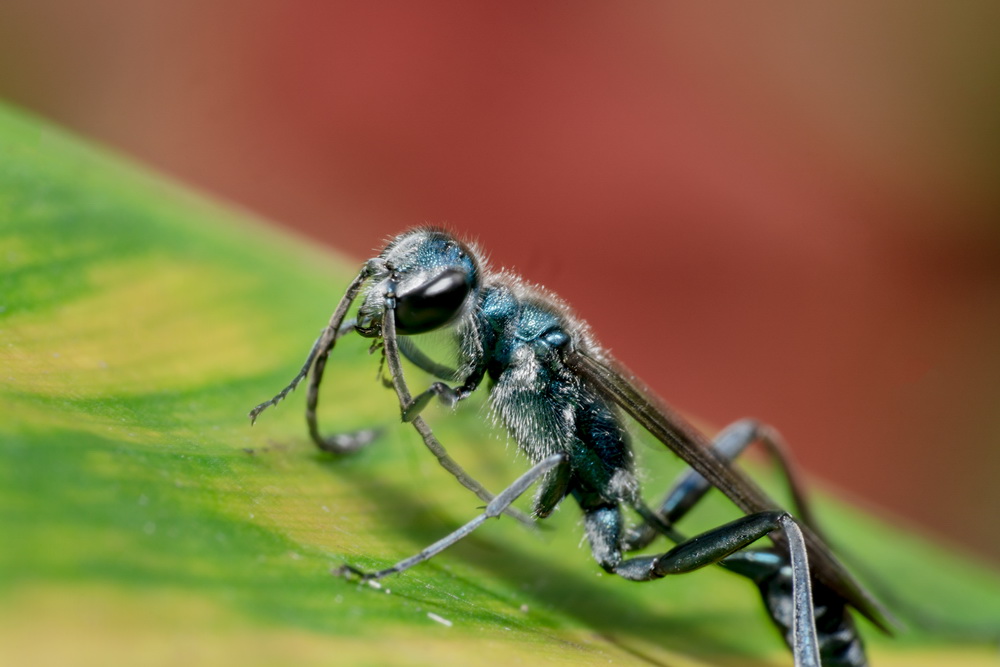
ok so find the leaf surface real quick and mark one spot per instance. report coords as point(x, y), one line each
point(144, 521)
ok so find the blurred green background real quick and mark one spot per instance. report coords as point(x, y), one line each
point(800, 201)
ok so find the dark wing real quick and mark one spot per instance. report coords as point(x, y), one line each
point(667, 426)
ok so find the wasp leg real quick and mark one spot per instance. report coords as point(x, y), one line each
point(690, 486)
point(421, 426)
point(604, 529)
point(410, 350)
point(839, 642)
point(447, 395)
point(551, 490)
point(334, 330)
point(497, 506)
point(339, 443)
point(321, 342)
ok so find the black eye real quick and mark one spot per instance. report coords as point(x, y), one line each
point(432, 304)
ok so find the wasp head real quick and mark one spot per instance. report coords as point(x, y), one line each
point(427, 277)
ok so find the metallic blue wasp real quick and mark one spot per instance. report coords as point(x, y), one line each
point(559, 395)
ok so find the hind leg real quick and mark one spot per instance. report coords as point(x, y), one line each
point(690, 487)
point(604, 530)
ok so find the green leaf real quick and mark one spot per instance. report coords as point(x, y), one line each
point(143, 521)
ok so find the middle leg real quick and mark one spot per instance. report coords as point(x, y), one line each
point(500, 504)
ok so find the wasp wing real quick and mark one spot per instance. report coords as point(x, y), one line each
point(667, 426)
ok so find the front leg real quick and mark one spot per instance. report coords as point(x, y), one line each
point(421, 426)
point(338, 443)
point(326, 338)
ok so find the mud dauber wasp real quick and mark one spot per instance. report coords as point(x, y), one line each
point(559, 395)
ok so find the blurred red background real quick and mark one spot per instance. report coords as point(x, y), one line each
point(800, 202)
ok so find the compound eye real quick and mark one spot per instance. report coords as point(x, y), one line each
point(432, 304)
